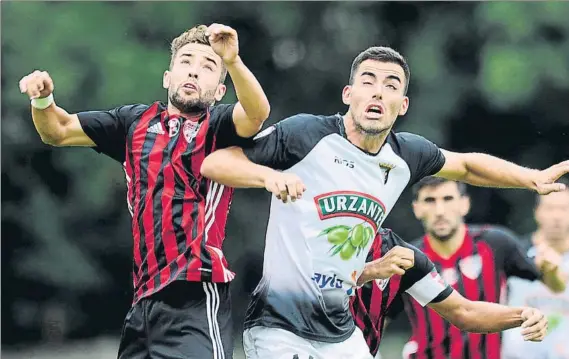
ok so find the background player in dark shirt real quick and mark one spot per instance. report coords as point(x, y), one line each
point(374, 299)
point(474, 260)
point(181, 305)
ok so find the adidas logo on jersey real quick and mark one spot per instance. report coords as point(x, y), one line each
point(156, 128)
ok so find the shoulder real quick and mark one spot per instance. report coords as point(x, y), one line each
point(494, 235)
point(409, 141)
point(221, 111)
point(310, 123)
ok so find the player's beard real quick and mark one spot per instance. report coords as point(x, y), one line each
point(369, 130)
point(195, 105)
point(443, 237)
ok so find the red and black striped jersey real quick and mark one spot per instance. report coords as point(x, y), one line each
point(178, 216)
point(373, 300)
point(478, 271)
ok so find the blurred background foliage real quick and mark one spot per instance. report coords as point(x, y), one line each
point(485, 76)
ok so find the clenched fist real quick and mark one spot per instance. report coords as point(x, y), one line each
point(223, 41)
point(38, 84)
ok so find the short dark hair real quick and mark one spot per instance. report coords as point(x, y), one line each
point(432, 181)
point(195, 35)
point(538, 196)
point(381, 54)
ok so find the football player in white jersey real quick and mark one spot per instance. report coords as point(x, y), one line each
point(552, 217)
point(344, 174)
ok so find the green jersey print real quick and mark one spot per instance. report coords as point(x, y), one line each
point(347, 240)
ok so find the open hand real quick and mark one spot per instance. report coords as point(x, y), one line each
point(544, 180)
point(396, 261)
point(534, 326)
point(285, 185)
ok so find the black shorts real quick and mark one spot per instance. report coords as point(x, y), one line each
point(190, 320)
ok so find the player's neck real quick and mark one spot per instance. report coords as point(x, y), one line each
point(368, 143)
point(559, 245)
point(446, 249)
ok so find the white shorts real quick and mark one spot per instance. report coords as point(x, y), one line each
point(274, 343)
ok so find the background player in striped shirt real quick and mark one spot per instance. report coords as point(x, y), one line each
point(181, 306)
point(474, 260)
point(552, 218)
point(405, 270)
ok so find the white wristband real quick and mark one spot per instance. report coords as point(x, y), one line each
point(42, 103)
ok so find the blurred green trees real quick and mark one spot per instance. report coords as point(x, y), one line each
point(490, 76)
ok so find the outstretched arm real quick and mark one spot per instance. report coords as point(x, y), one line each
point(484, 317)
point(253, 107)
point(55, 126)
point(483, 170)
point(232, 168)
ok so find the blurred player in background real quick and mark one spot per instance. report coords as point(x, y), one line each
point(355, 168)
point(475, 261)
point(181, 306)
point(552, 217)
point(373, 300)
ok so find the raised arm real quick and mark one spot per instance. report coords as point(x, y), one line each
point(484, 317)
point(55, 126)
point(253, 107)
point(483, 170)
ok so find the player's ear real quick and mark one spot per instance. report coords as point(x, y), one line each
point(166, 79)
point(347, 95)
point(220, 92)
point(404, 106)
point(417, 210)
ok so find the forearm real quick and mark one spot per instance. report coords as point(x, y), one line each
point(249, 92)
point(485, 317)
point(232, 168)
point(51, 123)
point(489, 171)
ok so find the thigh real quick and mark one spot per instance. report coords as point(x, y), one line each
point(192, 320)
point(133, 336)
point(355, 347)
point(262, 342)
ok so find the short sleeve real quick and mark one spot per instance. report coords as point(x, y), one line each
point(422, 281)
point(287, 142)
point(510, 254)
point(221, 123)
point(423, 156)
point(108, 129)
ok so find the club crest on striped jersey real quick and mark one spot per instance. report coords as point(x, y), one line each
point(350, 204)
point(382, 283)
point(190, 130)
point(471, 266)
point(173, 126)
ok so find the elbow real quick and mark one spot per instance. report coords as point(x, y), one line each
point(463, 320)
point(262, 113)
point(52, 140)
point(208, 167)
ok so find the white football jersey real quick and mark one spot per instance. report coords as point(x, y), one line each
point(316, 247)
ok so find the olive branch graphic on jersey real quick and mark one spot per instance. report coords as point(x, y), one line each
point(348, 240)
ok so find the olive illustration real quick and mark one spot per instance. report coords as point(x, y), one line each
point(338, 235)
point(347, 251)
point(368, 236)
point(358, 234)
